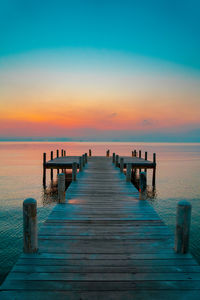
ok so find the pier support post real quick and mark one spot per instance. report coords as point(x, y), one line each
point(80, 164)
point(44, 170)
point(64, 152)
point(132, 153)
point(154, 171)
point(113, 158)
point(86, 159)
point(140, 153)
point(30, 225)
point(121, 164)
point(108, 153)
point(57, 154)
point(61, 188)
point(135, 153)
point(90, 152)
point(143, 182)
point(116, 160)
point(128, 172)
point(74, 171)
point(51, 169)
point(183, 220)
point(83, 159)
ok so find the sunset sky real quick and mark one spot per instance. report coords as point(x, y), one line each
point(100, 70)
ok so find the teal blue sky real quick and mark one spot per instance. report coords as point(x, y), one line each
point(116, 70)
point(164, 29)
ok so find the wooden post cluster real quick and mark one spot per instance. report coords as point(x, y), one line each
point(121, 164)
point(74, 171)
point(113, 158)
point(182, 233)
point(90, 152)
point(30, 226)
point(61, 187)
point(116, 160)
point(44, 169)
point(128, 172)
point(143, 182)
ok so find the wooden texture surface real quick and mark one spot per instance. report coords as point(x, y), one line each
point(103, 243)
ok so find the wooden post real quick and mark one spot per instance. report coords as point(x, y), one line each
point(44, 170)
point(116, 160)
point(80, 164)
point(74, 171)
point(61, 188)
point(51, 169)
point(128, 172)
point(57, 154)
point(30, 225)
point(64, 152)
point(145, 156)
point(143, 182)
point(86, 159)
point(108, 153)
point(140, 153)
point(83, 158)
point(90, 152)
point(154, 170)
point(113, 158)
point(132, 153)
point(135, 153)
point(183, 220)
point(121, 164)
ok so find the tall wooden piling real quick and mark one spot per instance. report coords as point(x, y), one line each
point(142, 182)
point(121, 164)
point(86, 158)
point(128, 172)
point(183, 220)
point(30, 225)
point(61, 188)
point(145, 156)
point(74, 171)
point(51, 169)
point(64, 152)
point(140, 153)
point(113, 158)
point(57, 154)
point(135, 153)
point(154, 170)
point(80, 164)
point(83, 160)
point(116, 160)
point(44, 170)
point(90, 152)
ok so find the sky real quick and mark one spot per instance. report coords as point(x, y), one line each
point(100, 70)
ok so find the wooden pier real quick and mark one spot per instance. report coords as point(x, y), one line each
point(103, 243)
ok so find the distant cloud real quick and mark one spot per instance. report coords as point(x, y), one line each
point(147, 122)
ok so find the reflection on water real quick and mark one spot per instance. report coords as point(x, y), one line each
point(177, 178)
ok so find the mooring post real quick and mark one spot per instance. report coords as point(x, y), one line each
point(51, 169)
point(135, 153)
point(145, 156)
point(154, 170)
point(113, 158)
point(44, 170)
point(142, 182)
point(74, 171)
point(86, 158)
point(183, 220)
point(61, 188)
point(132, 153)
point(30, 225)
point(57, 154)
point(108, 153)
point(90, 152)
point(121, 164)
point(116, 160)
point(128, 172)
point(83, 159)
point(80, 164)
point(140, 153)
point(64, 152)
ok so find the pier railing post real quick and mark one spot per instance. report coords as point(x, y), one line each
point(86, 160)
point(121, 164)
point(44, 170)
point(113, 158)
point(90, 152)
point(143, 182)
point(83, 159)
point(183, 220)
point(128, 172)
point(51, 169)
point(116, 160)
point(154, 170)
point(80, 164)
point(30, 225)
point(74, 171)
point(61, 188)
point(57, 154)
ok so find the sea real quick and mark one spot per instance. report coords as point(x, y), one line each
point(177, 178)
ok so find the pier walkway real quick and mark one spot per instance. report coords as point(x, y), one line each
point(104, 243)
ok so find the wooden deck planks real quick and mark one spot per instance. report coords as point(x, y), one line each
point(104, 243)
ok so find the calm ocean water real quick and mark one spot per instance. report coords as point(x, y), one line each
point(178, 167)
